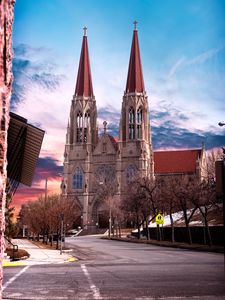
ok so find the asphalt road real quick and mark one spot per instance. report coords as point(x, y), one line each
point(119, 270)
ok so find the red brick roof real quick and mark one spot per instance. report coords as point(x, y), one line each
point(84, 81)
point(135, 81)
point(176, 161)
point(114, 141)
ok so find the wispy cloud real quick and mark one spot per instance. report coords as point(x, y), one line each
point(199, 59)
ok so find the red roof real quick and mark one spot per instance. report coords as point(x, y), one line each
point(176, 161)
point(84, 81)
point(114, 141)
point(135, 81)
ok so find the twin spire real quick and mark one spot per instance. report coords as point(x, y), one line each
point(84, 81)
point(135, 81)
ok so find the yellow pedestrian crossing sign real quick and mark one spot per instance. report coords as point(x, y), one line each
point(159, 219)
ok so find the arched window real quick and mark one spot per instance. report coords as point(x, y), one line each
point(131, 173)
point(86, 124)
point(78, 179)
point(131, 124)
point(79, 126)
point(139, 121)
point(86, 119)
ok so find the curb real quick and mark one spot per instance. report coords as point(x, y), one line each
point(13, 264)
point(170, 245)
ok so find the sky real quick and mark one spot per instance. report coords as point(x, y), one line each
point(182, 46)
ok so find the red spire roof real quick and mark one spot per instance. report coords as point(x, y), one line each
point(84, 81)
point(135, 81)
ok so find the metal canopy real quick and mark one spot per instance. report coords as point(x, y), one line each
point(24, 145)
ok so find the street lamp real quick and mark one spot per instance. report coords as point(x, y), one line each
point(220, 176)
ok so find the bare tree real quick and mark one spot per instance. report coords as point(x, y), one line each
point(132, 204)
point(43, 216)
point(168, 201)
point(186, 190)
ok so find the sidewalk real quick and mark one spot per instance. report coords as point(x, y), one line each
point(38, 255)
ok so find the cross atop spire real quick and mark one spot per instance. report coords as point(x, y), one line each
point(135, 25)
point(135, 81)
point(105, 126)
point(84, 80)
point(85, 30)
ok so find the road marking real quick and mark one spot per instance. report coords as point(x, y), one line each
point(14, 278)
point(72, 259)
point(94, 289)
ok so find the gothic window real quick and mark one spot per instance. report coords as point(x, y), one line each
point(86, 119)
point(79, 127)
point(78, 179)
point(105, 174)
point(131, 124)
point(86, 124)
point(139, 121)
point(131, 173)
point(104, 147)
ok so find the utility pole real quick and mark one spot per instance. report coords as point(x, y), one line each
point(45, 217)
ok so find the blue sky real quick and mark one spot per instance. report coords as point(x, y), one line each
point(183, 57)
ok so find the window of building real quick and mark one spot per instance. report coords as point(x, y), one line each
point(86, 124)
point(78, 179)
point(79, 127)
point(131, 173)
point(131, 124)
point(139, 122)
point(86, 119)
point(104, 147)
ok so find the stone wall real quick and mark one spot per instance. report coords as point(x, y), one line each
point(6, 23)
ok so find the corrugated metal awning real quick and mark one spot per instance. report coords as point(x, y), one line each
point(24, 145)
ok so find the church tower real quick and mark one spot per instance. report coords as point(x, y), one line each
point(82, 136)
point(135, 157)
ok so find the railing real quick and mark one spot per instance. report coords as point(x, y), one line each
point(14, 247)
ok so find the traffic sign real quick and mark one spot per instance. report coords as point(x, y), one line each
point(159, 219)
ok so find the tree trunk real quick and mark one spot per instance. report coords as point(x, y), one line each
point(162, 233)
point(147, 231)
point(138, 226)
point(206, 226)
point(51, 239)
point(187, 228)
point(172, 228)
point(57, 241)
point(208, 231)
point(159, 237)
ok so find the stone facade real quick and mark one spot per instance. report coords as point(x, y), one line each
point(91, 160)
point(6, 23)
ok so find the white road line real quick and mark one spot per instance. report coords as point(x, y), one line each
point(14, 278)
point(94, 289)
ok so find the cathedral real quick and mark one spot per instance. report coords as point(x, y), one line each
point(92, 160)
